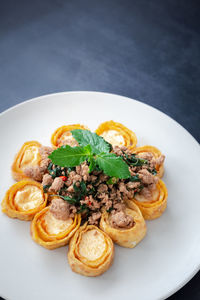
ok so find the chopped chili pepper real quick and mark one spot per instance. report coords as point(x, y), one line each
point(64, 178)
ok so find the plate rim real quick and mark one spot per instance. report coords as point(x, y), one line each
point(196, 267)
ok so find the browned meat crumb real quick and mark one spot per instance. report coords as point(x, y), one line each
point(93, 178)
point(119, 206)
point(119, 150)
point(72, 210)
point(160, 160)
point(94, 218)
point(103, 177)
point(146, 192)
point(122, 188)
point(47, 179)
point(121, 220)
point(147, 177)
point(45, 151)
point(152, 160)
point(44, 164)
point(91, 202)
point(146, 155)
point(34, 172)
point(56, 185)
point(102, 188)
point(70, 189)
point(70, 142)
point(60, 209)
point(133, 185)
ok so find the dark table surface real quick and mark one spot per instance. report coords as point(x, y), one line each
point(146, 50)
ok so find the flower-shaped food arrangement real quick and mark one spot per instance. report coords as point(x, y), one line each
point(95, 189)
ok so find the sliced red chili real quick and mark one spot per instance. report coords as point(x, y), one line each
point(64, 178)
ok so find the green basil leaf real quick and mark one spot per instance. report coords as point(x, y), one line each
point(92, 164)
point(86, 137)
point(135, 178)
point(69, 199)
point(67, 156)
point(112, 165)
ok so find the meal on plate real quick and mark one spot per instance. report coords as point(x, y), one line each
point(89, 190)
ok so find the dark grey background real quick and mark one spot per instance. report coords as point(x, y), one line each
point(147, 50)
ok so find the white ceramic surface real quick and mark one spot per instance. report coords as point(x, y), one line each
point(170, 253)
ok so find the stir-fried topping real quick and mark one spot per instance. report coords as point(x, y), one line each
point(83, 178)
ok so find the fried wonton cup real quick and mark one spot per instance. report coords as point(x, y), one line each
point(151, 208)
point(28, 155)
point(24, 199)
point(125, 237)
point(156, 153)
point(91, 251)
point(52, 233)
point(117, 134)
point(63, 136)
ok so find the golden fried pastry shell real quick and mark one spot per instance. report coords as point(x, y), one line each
point(126, 237)
point(27, 156)
point(156, 153)
point(53, 233)
point(91, 251)
point(24, 199)
point(63, 133)
point(152, 209)
point(117, 134)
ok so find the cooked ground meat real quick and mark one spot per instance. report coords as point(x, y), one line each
point(120, 219)
point(60, 209)
point(44, 164)
point(47, 180)
point(92, 191)
point(56, 185)
point(147, 177)
point(94, 218)
point(34, 172)
point(102, 188)
point(146, 192)
point(45, 151)
point(68, 141)
point(160, 160)
point(152, 160)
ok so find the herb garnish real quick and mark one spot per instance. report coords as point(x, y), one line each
point(96, 153)
point(86, 137)
point(45, 188)
point(134, 161)
point(55, 171)
point(67, 156)
point(80, 191)
point(111, 180)
point(153, 172)
point(69, 199)
point(135, 178)
point(83, 208)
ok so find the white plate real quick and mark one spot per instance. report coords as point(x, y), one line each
point(170, 253)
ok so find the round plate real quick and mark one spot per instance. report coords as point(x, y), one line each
point(170, 253)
